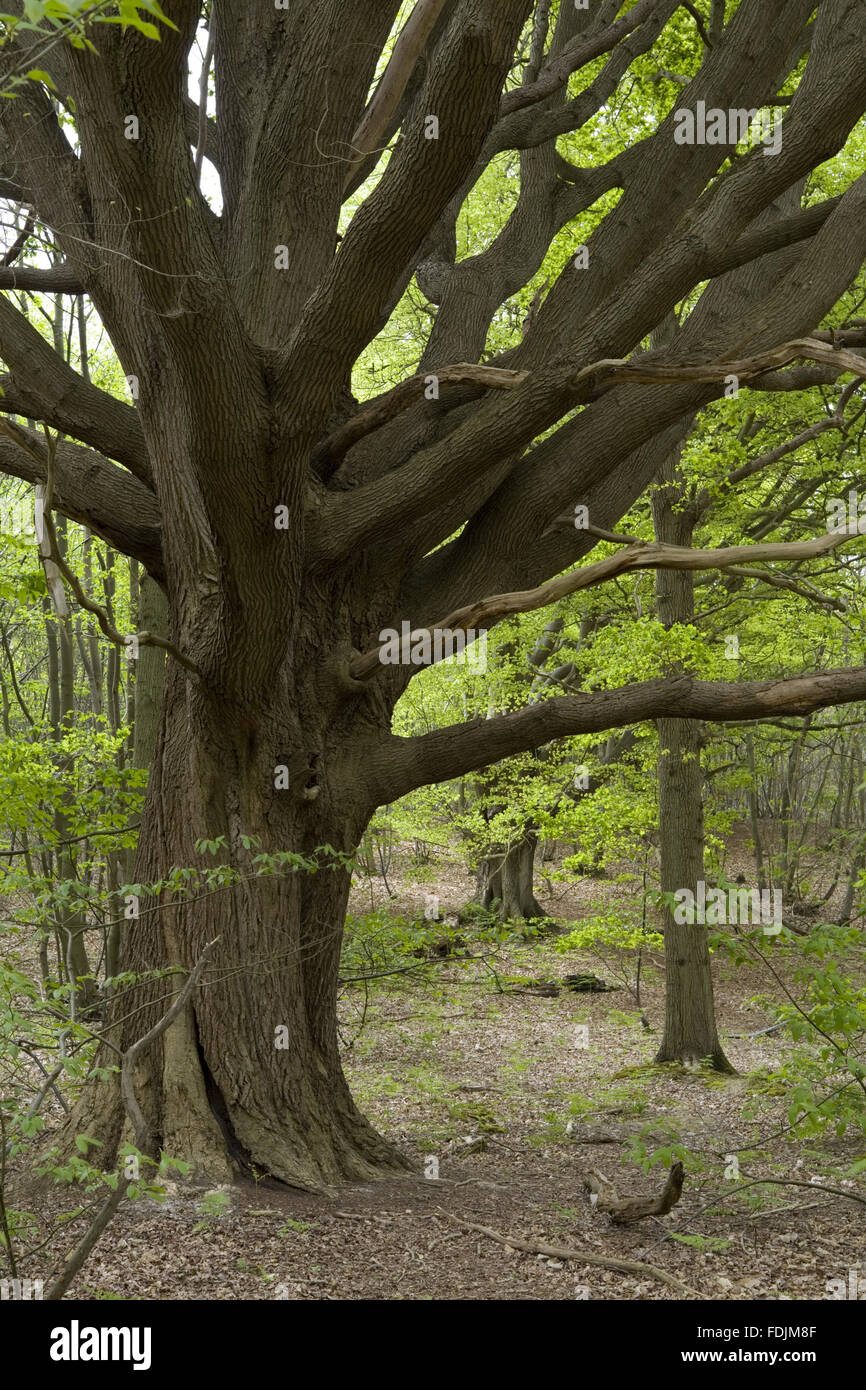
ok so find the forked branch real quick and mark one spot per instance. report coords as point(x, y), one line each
point(400, 397)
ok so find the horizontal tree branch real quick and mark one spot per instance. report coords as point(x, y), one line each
point(46, 388)
point(98, 494)
point(621, 369)
point(55, 279)
point(402, 764)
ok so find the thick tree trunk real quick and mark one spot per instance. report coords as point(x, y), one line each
point(506, 876)
point(249, 1077)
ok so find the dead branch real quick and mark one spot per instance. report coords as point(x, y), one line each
point(622, 369)
point(559, 1252)
point(622, 1211)
point(638, 555)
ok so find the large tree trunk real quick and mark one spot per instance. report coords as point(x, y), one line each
point(506, 876)
point(219, 1089)
point(518, 897)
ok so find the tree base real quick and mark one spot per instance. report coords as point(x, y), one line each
point(332, 1148)
point(691, 1057)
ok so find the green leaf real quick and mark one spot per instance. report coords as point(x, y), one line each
point(40, 75)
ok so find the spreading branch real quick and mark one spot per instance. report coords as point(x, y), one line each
point(399, 398)
point(91, 490)
point(46, 388)
point(554, 75)
point(744, 368)
point(639, 555)
point(399, 765)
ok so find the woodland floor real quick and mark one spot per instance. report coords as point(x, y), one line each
point(497, 1087)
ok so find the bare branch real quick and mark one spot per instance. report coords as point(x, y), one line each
point(639, 555)
point(620, 369)
point(783, 581)
point(386, 98)
point(20, 242)
point(58, 279)
point(560, 1252)
point(699, 23)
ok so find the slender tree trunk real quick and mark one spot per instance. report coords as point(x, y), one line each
point(754, 814)
point(690, 1025)
point(690, 1022)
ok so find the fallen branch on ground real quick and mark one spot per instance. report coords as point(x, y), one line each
point(559, 1252)
point(624, 1210)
